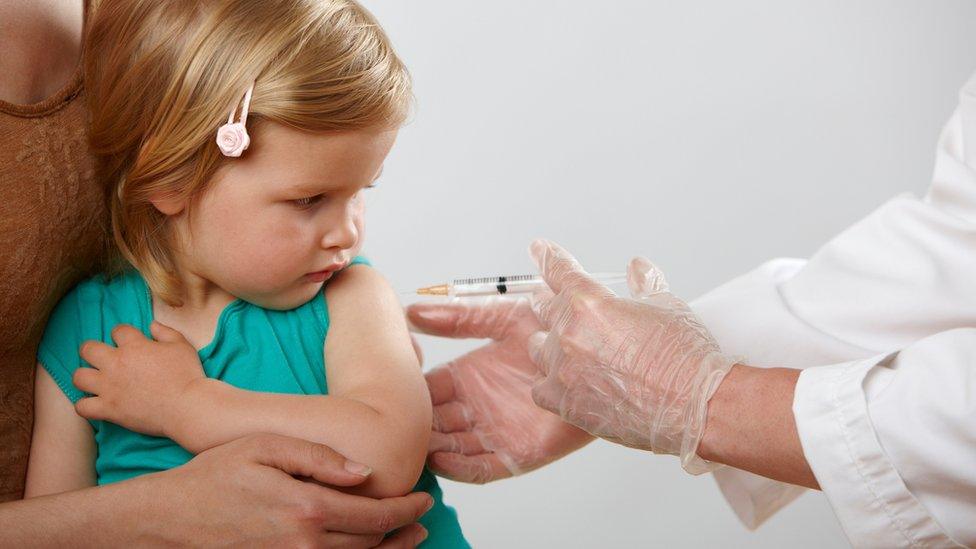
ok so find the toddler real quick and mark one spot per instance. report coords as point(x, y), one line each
point(236, 138)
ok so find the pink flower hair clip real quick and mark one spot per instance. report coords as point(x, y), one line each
point(232, 137)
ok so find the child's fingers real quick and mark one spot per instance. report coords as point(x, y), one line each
point(97, 353)
point(123, 334)
point(162, 332)
point(90, 408)
point(87, 380)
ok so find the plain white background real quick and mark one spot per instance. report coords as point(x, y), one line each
point(706, 135)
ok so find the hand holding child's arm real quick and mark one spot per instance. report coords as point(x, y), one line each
point(377, 411)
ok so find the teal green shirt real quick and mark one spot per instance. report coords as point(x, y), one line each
point(253, 348)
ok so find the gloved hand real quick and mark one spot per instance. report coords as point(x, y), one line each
point(635, 372)
point(486, 426)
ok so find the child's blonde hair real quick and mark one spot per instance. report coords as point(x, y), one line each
point(162, 75)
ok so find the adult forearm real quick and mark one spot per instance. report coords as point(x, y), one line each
point(750, 425)
point(393, 446)
point(93, 517)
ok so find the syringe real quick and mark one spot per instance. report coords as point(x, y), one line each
point(499, 285)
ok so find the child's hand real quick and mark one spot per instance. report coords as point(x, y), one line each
point(139, 384)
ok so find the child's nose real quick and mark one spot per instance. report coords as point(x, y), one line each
point(344, 234)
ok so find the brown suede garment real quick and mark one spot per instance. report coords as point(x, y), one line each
point(53, 233)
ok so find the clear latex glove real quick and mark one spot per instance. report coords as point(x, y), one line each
point(486, 426)
point(634, 372)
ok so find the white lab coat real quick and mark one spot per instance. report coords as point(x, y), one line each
point(883, 319)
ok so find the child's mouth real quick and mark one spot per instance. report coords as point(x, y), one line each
point(324, 274)
point(320, 276)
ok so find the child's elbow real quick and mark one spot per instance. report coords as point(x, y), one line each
point(404, 457)
point(389, 485)
point(398, 474)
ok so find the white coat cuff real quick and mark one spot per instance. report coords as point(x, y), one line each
point(868, 496)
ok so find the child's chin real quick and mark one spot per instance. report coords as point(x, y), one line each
point(289, 300)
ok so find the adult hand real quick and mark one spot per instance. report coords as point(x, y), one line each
point(246, 492)
point(140, 383)
point(486, 426)
point(638, 373)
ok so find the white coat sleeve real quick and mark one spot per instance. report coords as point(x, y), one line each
point(749, 318)
point(892, 442)
point(900, 275)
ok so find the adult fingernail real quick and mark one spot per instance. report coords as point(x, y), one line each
point(430, 503)
point(421, 535)
point(535, 343)
point(357, 468)
point(644, 279)
point(536, 249)
point(433, 314)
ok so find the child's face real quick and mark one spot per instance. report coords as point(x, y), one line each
point(278, 221)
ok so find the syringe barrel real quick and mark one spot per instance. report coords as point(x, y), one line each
point(501, 285)
point(518, 284)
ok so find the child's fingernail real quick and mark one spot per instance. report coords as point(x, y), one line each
point(357, 468)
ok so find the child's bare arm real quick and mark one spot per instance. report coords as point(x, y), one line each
point(62, 451)
point(377, 411)
point(370, 358)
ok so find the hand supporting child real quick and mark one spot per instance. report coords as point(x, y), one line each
point(138, 383)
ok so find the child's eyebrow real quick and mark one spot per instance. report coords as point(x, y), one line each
point(319, 188)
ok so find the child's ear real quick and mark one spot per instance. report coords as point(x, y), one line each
point(168, 204)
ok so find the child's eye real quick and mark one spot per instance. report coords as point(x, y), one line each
point(307, 201)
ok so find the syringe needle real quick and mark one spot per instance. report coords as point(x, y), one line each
point(440, 289)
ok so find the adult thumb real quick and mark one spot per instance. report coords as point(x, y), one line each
point(306, 459)
point(644, 279)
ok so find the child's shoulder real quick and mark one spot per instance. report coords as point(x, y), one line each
point(355, 281)
point(104, 290)
point(88, 311)
point(358, 281)
point(361, 299)
point(96, 300)
point(353, 277)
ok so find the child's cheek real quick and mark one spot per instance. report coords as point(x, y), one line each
point(272, 251)
point(360, 221)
